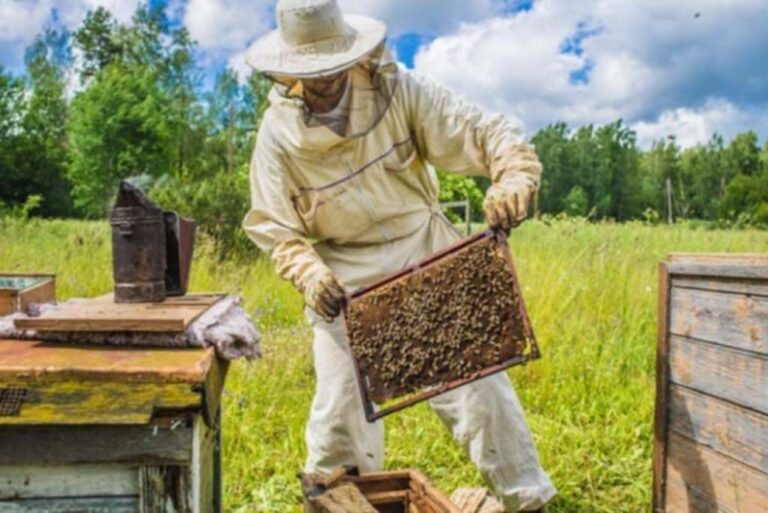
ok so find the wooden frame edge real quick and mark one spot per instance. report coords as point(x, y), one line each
point(662, 384)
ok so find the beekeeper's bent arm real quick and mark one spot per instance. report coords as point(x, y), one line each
point(460, 137)
point(273, 224)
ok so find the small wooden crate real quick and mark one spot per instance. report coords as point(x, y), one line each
point(18, 291)
point(109, 430)
point(711, 427)
point(406, 491)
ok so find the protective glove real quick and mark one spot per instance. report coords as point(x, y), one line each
point(324, 294)
point(506, 202)
point(296, 260)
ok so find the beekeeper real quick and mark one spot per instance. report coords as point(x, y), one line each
point(342, 194)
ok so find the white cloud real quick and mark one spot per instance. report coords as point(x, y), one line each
point(227, 24)
point(22, 20)
point(19, 19)
point(646, 58)
point(696, 126)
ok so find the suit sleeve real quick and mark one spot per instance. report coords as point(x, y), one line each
point(457, 136)
point(272, 222)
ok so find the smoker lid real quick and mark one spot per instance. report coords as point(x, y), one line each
point(131, 196)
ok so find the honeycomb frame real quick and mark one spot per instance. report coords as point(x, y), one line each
point(458, 316)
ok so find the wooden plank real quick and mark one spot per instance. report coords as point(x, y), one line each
point(7, 304)
point(736, 376)
point(734, 320)
point(682, 498)
point(44, 292)
point(384, 498)
point(214, 386)
point(733, 285)
point(35, 360)
point(725, 265)
point(163, 489)
point(662, 377)
point(72, 505)
point(202, 468)
point(103, 314)
point(34, 482)
point(735, 432)
point(712, 477)
point(99, 402)
point(164, 442)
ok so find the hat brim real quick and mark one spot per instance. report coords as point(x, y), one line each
point(271, 54)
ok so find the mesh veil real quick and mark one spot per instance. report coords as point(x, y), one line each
point(369, 89)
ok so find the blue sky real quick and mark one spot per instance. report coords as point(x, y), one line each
point(685, 68)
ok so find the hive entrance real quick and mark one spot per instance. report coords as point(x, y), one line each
point(11, 401)
point(440, 324)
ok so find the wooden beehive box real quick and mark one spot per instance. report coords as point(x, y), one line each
point(18, 291)
point(109, 429)
point(405, 491)
point(711, 427)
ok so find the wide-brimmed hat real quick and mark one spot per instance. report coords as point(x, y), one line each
point(313, 38)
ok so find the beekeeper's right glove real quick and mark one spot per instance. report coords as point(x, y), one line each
point(296, 260)
point(324, 294)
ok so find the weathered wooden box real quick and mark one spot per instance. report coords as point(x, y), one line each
point(105, 429)
point(404, 491)
point(18, 291)
point(711, 427)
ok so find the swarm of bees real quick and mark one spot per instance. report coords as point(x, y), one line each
point(443, 323)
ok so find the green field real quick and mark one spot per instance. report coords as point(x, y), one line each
point(591, 291)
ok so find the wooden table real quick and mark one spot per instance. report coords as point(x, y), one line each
point(105, 429)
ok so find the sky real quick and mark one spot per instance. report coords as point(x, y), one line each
point(682, 68)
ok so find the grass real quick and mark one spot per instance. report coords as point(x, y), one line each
point(591, 291)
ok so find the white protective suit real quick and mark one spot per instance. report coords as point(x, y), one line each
point(366, 207)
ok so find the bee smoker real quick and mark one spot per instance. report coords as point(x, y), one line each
point(151, 249)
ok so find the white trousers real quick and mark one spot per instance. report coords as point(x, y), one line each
point(485, 417)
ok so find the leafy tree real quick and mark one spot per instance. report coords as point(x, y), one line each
point(98, 42)
point(118, 128)
point(34, 137)
point(12, 108)
point(576, 203)
point(660, 170)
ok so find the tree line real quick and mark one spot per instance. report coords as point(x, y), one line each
point(135, 103)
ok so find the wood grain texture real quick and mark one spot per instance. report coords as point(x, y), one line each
point(72, 505)
point(724, 427)
point(164, 442)
point(710, 477)
point(89, 402)
point(103, 314)
point(202, 477)
point(662, 378)
point(736, 320)
point(44, 292)
point(733, 285)
point(165, 489)
point(730, 374)
point(29, 482)
point(36, 360)
point(7, 303)
point(725, 265)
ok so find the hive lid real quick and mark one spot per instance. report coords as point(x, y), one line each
point(103, 314)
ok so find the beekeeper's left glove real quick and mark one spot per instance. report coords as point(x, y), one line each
point(506, 202)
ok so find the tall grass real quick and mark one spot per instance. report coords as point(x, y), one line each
point(591, 291)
